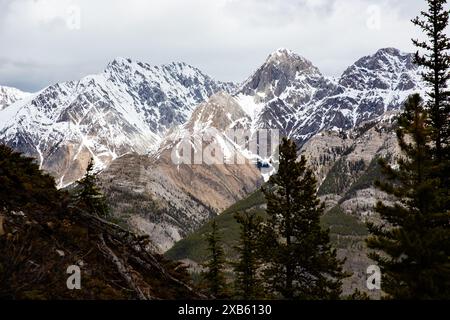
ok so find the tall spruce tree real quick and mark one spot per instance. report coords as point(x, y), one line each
point(214, 275)
point(436, 61)
point(89, 196)
point(413, 242)
point(299, 261)
point(247, 280)
point(413, 245)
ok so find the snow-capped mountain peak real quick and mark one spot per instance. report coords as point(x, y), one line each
point(278, 94)
point(282, 69)
point(387, 69)
point(283, 57)
point(9, 95)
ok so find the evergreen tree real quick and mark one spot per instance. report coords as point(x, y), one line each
point(413, 242)
point(214, 275)
point(247, 282)
point(299, 261)
point(89, 196)
point(436, 61)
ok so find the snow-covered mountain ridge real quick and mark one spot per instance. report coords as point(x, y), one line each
point(126, 108)
point(290, 94)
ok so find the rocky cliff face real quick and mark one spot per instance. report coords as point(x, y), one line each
point(346, 163)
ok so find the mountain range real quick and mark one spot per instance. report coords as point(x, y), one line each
point(133, 117)
point(126, 108)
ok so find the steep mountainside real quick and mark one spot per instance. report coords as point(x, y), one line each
point(126, 108)
point(346, 163)
point(165, 195)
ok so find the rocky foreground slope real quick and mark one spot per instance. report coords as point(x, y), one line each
point(47, 241)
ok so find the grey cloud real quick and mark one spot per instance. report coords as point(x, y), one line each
point(228, 39)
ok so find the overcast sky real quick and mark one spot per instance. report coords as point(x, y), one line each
point(47, 41)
